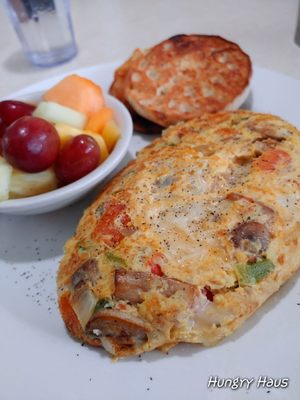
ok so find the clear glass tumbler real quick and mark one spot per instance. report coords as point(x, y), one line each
point(45, 30)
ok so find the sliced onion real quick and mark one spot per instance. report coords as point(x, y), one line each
point(84, 303)
point(108, 345)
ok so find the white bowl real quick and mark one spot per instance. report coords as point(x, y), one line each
point(63, 196)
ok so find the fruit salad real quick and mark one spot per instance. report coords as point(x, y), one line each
point(56, 142)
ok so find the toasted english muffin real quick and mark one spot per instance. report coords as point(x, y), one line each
point(189, 239)
point(117, 89)
point(187, 76)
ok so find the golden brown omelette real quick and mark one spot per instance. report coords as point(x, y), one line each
point(189, 239)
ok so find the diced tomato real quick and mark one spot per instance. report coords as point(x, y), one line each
point(208, 293)
point(156, 269)
point(154, 265)
point(114, 224)
point(125, 219)
point(272, 159)
point(227, 131)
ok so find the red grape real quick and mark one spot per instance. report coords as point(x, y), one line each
point(78, 157)
point(31, 144)
point(11, 110)
point(2, 127)
point(2, 130)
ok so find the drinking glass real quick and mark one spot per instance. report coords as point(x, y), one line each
point(44, 28)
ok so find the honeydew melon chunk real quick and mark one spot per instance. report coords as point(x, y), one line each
point(5, 179)
point(24, 184)
point(55, 113)
point(67, 132)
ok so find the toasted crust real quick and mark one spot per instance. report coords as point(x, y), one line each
point(186, 76)
point(117, 89)
point(169, 231)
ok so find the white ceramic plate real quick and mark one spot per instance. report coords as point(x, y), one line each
point(39, 361)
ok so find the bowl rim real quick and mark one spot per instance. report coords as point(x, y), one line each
point(89, 180)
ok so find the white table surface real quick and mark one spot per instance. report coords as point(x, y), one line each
point(108, 30)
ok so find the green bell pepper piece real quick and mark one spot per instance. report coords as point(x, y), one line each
point(250, 274)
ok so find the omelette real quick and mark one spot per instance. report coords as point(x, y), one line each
point(187, 241)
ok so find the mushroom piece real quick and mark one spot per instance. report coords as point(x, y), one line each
point(251, 236)
point(164, 181)
point(118, 324)
point(130, 285)
point(87, 272)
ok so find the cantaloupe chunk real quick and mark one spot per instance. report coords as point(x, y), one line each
point(97, 121)
point(67, 132)
point(77, 93)
point(111, 134)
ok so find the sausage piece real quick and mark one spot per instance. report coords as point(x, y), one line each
point(251, 236)
point(131, 285)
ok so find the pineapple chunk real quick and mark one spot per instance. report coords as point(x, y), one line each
point(111, 134)
point(25, 184)
point(55, 113)
point(99, 139)
point(5, 178)
point(67, 132)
